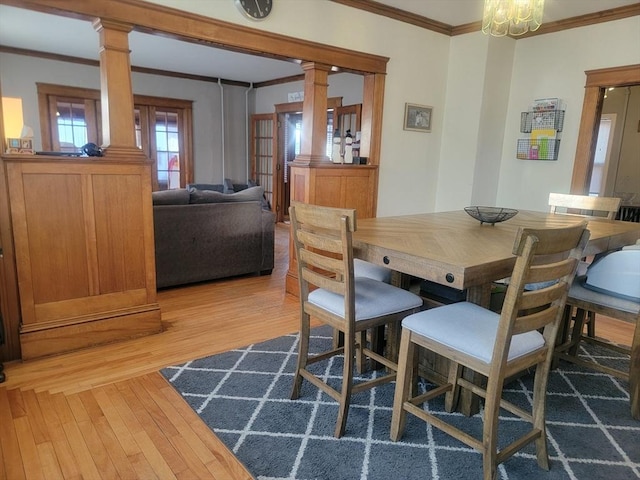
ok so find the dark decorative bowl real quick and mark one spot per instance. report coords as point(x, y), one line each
point(491, 215)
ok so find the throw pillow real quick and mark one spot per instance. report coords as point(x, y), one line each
point(253, 194)
point(177, 196)
point(228, 186)
point(216, 187)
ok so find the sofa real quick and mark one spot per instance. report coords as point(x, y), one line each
point(204, 235)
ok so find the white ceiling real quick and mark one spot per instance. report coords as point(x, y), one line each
point(31, 30)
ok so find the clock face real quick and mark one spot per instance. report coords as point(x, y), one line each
point(255, 9)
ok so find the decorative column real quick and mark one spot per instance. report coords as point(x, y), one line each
point(118, 125)
point(314, 115)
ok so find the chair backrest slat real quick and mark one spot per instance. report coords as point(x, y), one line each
point(316, 258)
point(586, 204)
point(535, 321)
point(547, 272)
point(323, 281)
point(321, 240)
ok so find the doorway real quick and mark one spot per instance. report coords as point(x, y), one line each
point(598, 82)
point(602, 155)
point(289, 139)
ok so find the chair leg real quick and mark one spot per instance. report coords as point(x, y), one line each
point(451, 397)
point(393, 340)
point(303, 354)
point(338, 339)
point(490, 427)
point(361, 340)
point(634, 373)
point(563, 339)
point(591, 324)
point(404, 382)
point(576, 333)
point(539, 412)
point(347, 384)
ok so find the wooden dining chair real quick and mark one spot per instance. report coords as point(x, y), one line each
point(620, 304)
point(584, 205)
point(497, 346)
point(331, 294)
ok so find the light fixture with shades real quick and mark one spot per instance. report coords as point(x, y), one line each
point(511, 17)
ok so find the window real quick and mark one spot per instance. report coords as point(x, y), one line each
point(162, 125)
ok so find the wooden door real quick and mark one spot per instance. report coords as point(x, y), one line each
point(264, 156)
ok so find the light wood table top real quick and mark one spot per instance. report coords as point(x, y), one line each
point(454, 249)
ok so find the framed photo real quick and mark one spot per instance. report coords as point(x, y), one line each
point(417, 117)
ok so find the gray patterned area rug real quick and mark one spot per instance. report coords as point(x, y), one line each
point(243, 396)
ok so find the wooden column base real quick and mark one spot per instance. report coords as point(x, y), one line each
point(91, 331)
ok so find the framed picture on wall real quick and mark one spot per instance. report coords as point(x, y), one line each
point(417, 117)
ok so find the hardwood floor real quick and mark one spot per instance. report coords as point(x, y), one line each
point(106, 412)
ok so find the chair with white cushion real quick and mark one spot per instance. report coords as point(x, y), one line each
point(611, 287)
point(584, 205)
point(330, 293)
point(497, 346)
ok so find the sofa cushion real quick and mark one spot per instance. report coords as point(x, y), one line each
point(208, 196)
point(265, 203)
point(216, 187)
point(176, 196)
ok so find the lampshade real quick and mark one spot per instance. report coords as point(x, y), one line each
point(513, 17)
point(12, 116)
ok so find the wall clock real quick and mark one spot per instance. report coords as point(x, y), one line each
point(255, 9)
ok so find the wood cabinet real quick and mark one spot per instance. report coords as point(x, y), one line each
point(84, 249)
point(332, 185)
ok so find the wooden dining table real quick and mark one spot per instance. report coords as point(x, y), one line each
point(456, 250)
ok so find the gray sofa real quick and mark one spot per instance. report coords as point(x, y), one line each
point(205, 235)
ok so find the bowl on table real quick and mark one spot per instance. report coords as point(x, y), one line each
point(490, 215)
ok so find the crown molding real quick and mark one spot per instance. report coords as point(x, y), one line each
point(439, 27)
point(397, 14)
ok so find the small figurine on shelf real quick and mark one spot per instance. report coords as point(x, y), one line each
point(336, 147)
point(348, 147)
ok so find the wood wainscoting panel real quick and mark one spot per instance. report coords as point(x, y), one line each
point(83, 231)
point(119, 232)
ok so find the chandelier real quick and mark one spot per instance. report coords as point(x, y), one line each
point(512, 17)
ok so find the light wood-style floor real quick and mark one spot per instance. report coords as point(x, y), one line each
point(106, 412)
